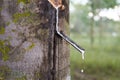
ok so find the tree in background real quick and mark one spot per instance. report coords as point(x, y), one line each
point(96, 7)
point(81, 21)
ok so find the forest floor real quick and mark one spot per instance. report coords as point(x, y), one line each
point(102, 60)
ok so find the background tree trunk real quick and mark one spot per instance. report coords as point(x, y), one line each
point(30, 49)
point(92, 23)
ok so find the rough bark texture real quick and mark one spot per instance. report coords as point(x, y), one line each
point(30, 49)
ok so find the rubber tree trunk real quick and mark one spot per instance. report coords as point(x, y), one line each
point(30, 49)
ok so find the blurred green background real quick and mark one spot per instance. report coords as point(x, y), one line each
point(95, 25)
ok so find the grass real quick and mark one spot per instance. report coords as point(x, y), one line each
point(101, 62)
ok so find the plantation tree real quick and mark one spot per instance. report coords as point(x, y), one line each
point(79, 18)
point(96, 6)
point(29, 46)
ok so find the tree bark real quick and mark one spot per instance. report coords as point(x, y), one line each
point(30, 49)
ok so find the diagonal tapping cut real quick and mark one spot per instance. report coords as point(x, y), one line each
point(56, 3)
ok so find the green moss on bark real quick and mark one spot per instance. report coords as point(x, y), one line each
point(2, 30)
point(30, 47)
point(4, 50)
point(37, 75)
point(22, 78)
point(24, 1)
point(4, 70)
point(18, 16)
point(0, 9)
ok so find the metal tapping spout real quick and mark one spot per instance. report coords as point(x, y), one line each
point(56, 4)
